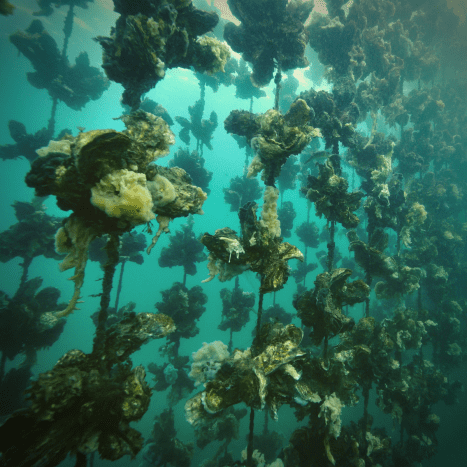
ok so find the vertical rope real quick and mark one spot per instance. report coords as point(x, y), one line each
point(25, 265)
point(119, 288)
point(2, 366)
point(366, 398)
point(325, 349)
point(51, 124)
point(229, 348)
point(277, 82)
point(234, 295)
point(81, 460)
point(419, 306)
point(331, 247)
point(368, 277)
point(199, 143)
point(112, 248)
point(67, 29)
point(249, 449)
point(260, 312)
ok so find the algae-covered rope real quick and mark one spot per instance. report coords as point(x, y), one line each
point(113, 256)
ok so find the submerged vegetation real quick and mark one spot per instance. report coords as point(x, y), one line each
point(372, 154)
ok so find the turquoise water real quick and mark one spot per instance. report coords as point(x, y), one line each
point(143, 283)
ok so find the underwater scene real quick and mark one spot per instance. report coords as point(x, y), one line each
point(233, 233)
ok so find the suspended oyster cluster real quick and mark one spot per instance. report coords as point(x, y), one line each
point(202, 129)
point(163, 447)
point(257, 376)
point(399, 279)
point(185, 306)
point(193, 165)
point(260, 249)
point(134, 330)
point(151, 37)
point(32, 236)
point(301, 271)
point(356, 445)
point(241, 191)
point(377, 40)
point(273, 136)
point(78, 383)
point(107, 179)
point(369, 350)
point(26, 144)
point(321, 308)
point(308, 233)
point(244, 87)
point(409, 400)
point(46, 5)
point(74, 84)
point(325, 387)
point(222, 427)
point(329, 193)
point(270, 31)
point(286, 214)
point(407, 329)
point(334, 114)
point(26, 326)
point(236, 307)
point(183, 250)
point(6, 8)
point(386, 203)
point(114, 168)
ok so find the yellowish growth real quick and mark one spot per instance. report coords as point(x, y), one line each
point(124, 194)
point(162, 191)
point(49, 320)
point(207, 361)
point(152, 134)
point(202, 197)
point(163, 227)
point(378, 212)
point(212, 268)
point(416, 216)
point(381, 173)
point(60, 172)
point(226, 271)
point(440, 190)
point(255, 167)
point(233, 246)
point(405, 236)
point(63, 147)
point(334, 180)
point(448, 235)
point(252, 240)
point(63, 244)
point(269, 218)
point(455, 191)
point(331, 410)
point(219, 49)
point(74, 239)
point(258, 458)
point(454, 350)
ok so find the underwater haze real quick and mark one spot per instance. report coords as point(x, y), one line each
point(233, 232)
